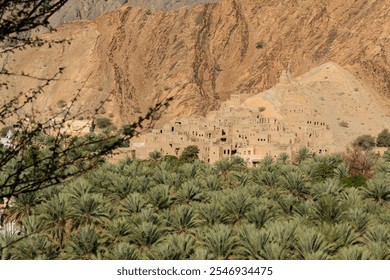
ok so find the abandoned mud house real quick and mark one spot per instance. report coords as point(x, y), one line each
point(251, 132)
point(324, 110)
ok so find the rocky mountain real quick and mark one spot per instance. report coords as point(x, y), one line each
point(167, 4)
point(202, 54)
point(91, 9)
point(84, 9)
point(325, 107)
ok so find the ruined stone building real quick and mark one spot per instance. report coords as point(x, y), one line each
point(324, 110)
point(251, 132)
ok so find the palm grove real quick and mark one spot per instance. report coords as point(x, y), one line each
point(66, 202)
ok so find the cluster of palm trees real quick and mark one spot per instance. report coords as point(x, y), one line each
point(157, 209)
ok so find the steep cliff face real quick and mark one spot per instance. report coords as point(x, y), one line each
point(167, 4)
point(91, 9)
point(84, 9)
point(204, 53)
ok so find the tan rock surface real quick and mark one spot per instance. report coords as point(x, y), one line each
point(203, 54)
point(331, 95)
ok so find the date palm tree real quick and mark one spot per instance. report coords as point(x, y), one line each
point(252, 242)
point(160, 197)
point(282, 232)
point(236, 205)
point(22, 206)
point(382, 167)
point(339, 235)
point(145, 235)
point(330, 186)
point(265, 178)
point(378, 189)
point(122, 251)
point(190, 191)
point(7, 241)
point(132, 204)
point(175, 247)
point(201, 253)
point(36, 247)
point(303, 154)
point(190, 170)
point(148, 215)
point(116, 231)
point(119, 187)
point(88, 209)
point(341, 171)
point(182, 219)
point(220, 241)
point(226, 169)
point(359, 219)
point(354, 253)
point(328, 209)
point(261, 214)
point(165, 177)
point(242, 179)
point(209, 213)
point(386, 155)
point(31, 225)
point(311, 245)
point(295, 182)
point(283, 158)
point(377, 240)
point(275, 251)
point(143, 183)
point(54, 214)
point(175, 179)
point(287, 203)
point(351, 197)
point(379, 233)
point(155, 156)
point(212, 182)
point(379, 250)
point(85, 244)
